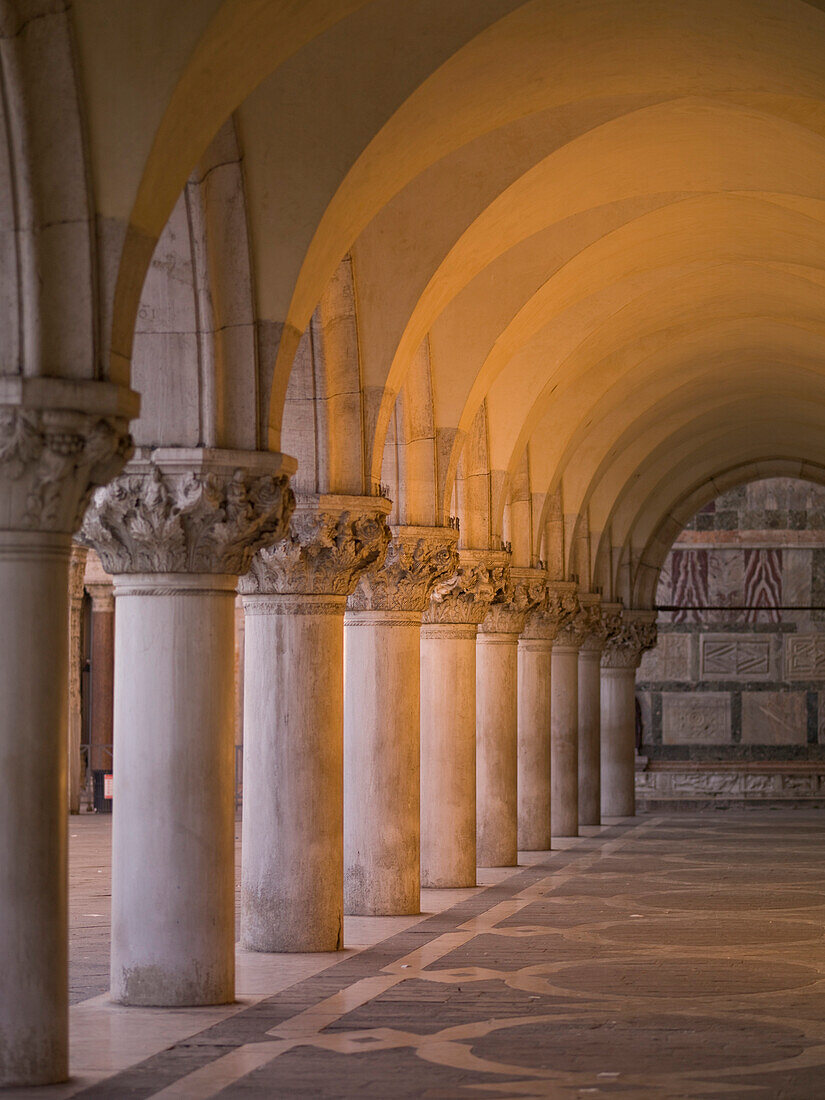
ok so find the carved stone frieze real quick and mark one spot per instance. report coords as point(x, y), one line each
point(525, 592)
point(190, 511)
point(466, 596)
point(51, 459)
point(625, 648)
point(417, 559)
point(331, 542)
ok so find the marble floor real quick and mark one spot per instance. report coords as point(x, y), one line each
point(661, 956)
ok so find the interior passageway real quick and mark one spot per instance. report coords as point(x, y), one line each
point(665, 955)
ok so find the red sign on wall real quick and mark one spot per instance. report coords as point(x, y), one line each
point(108, 785)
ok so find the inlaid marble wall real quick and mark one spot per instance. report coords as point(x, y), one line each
point(742, 678)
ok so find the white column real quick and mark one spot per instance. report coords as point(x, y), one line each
point(534, 740)
point(497, 749)
point(618, 722)
point(381, 722)
point(448, 718)
point(590, 732)
point(176, 530)
point(48, 460)
point(497, 718)
point(448, 754)
point(173, 886)
point(77, 566)
point(292, 880)
point(564, 737)
point(621, 657)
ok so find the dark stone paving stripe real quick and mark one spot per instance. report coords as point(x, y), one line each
point(251, 1024)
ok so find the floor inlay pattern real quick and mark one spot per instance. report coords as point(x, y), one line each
point(670, 956)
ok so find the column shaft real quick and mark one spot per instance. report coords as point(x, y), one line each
point(497, 750)
point(448, 755)
point(589, 736)
point(102, 681)
point(34, 578)
point(292, 878)
point(75, 710)
point(564, 741)
point(534, 660)
point(172, 851)
point(618, 741)
point(381, 762)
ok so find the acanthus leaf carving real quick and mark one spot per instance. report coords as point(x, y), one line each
point(52, 459)
point(325, 551)
point(466, 595)
point(559, 607)
point(417, 559)
point(625, 648)
point(519, 599)
point(209, 519)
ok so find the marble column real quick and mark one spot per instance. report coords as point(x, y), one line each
point(534, 653)
point(102, 681)
point(448, 718)
point(51, 455)
point(382, 646)
point(564, 719)
point(292, 881)
point(590, 653)
point(77, 564)
point(620, 659)
point(497, 718)
point(176, 530)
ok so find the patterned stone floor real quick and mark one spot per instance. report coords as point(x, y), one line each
point(664, 956)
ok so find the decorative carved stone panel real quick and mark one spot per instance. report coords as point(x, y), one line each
point(691, 719)
point(805, 657)
point(774, 718)
point(735, 657)
point(668, 660)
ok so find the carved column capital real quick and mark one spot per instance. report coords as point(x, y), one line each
point(417, 559)
point(595, 625)
point(559, 606)
point(53, 455)
point(525, 592)
point(466, 595)
point(190, 510)
point(331, 541)
point(636, 635)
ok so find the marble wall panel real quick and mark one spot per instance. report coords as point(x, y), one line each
point(726, 582)
point(696, 719)
point(805, 657)
point(668, 660)
point(688, 582)
point(774, 718)
point(763, 585)
point(735, 657)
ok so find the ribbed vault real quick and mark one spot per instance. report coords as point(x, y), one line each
point(554, 268)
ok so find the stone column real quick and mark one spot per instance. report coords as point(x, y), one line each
point(177, 530)
point(448, 718)
point(497, 719)
point(590, 710)
point(292, 884)
point(621, 657)
point(534, 652)
point(77, 563)
point(51, 455)
point(382, 645)
point(102, 682)
point(564, 711)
